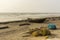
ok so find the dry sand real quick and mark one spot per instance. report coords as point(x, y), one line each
point(15, 32)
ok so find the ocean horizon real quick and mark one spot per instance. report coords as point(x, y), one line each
point(4, 17)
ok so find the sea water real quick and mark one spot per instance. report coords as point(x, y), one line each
point(4, 17)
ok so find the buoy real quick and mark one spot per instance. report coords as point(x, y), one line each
point(51, 26)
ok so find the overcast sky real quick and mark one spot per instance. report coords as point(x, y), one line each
point(30, 6)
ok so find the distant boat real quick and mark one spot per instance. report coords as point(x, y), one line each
point(37, 20)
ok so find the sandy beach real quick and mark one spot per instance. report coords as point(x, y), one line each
point(15, 32)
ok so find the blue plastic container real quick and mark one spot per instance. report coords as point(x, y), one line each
point(51, 26)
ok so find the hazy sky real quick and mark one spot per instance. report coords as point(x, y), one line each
point(29, 5)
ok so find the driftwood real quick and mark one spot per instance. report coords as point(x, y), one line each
point(24, 24)
point(3, 27)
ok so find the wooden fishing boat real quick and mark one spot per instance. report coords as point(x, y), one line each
point(37, 20)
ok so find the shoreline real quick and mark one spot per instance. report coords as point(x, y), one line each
point(24, 19)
